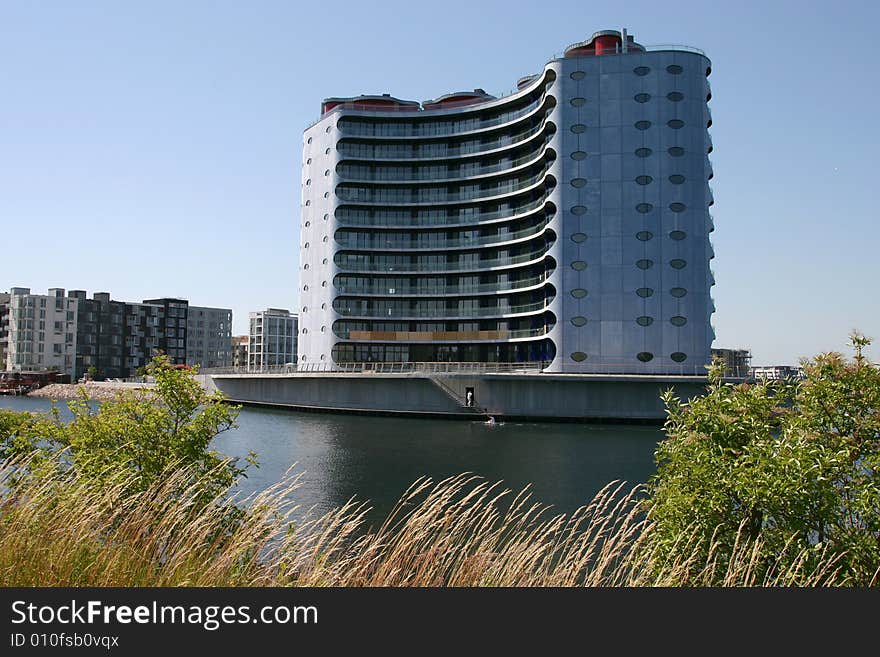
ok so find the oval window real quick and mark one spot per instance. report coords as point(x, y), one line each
point(327, 151)
point(309, 161)
point(306, 266)
point(678, 263)
point(644, 320)
point(309, 181)
point(645, 356)
point(678, 356)
point(675, 96)
point(578, 102)
point(677, 235)
point(579, 321)
point(327, 172)
point(578, 155)
point(642, 125)
point(678, 292)
point(579, 293)
point(644, 263)
point(678, 320)
point(676, 179)
point(644, 208)
point(308, 203)
point(644, 235)
point(674, 69)
point(307, 224)
point(578, 182)
point(643, 152)
point(309, 141)
point(645, 292)
point(578, 356)
point(324, 261)
point(675, 124)
point(641, 70)
point(642, 98)
point(326, 217)
point(577, 75)
point(676, 151)
point(578, 128)
point(677, 207)
point(644, 180)
point(578, 238)
point(579, 265)
point(579, 210)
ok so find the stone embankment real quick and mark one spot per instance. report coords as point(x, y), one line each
point(97, 390)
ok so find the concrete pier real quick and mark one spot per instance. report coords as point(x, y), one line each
point(535, 397)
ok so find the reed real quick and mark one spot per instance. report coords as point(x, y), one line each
point(59, 529)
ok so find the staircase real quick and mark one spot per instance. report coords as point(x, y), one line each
point(454, 396)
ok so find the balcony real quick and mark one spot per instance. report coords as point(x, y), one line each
point(442, 336)
point(351, 217)
point(420, 267)
point(441, 313)
point(359, 241)
point(416, 289)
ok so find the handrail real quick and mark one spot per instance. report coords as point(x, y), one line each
point(443, 220)
point(442, 313)
point(385, 368)
point(441, 336)
point(410, 290)
point(376, 243)
point(445, 266)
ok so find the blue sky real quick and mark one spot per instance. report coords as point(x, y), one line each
point(154, 149)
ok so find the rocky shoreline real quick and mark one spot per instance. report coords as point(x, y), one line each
point(97, 390)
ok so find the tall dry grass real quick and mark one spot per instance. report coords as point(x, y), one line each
point(59, 530)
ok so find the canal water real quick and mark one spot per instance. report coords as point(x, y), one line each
point(377, 458)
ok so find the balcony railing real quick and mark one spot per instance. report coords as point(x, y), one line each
point(418, 196)
point(441, 266)
point(356, 128)
point(435, 151)
point(425, 219)
point(378, 243)
point(441, 336)
point(348, 173)
point(531, 367)
point(441, 313)
point(423, 290)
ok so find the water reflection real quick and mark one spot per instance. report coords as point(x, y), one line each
point(377, 458)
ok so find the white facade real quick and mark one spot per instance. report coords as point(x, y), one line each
point(567, 223)
point(209, 337)
point(42, 331)
point(272, 339)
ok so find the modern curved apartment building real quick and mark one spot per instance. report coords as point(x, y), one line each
point(566, 223)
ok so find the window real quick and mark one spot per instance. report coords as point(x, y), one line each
point(678, 263)
point(578, 320)
point(578, 293)
point(644, 180)
point(677, 207)
point(309, 141)
point(677, 235)
point(645, 292)
point(675, 124)
point(642, 98)
point(644, 208)
point(644, 263)
point(578, 265)
point(326, 217)
point(674, 69)
point(676, 151)
point(645, 356)
point(678, 320)
point(678, 292)
point(328, 128)
point(578, 210)
point(307, 224)
point(678, 356)
point(309, 161)
point(577, 238)
point(578, 128)
point(305, 289)
point(675, 96)
point(676, 179)
point(577, 75)
point(644, 235)
point(644, 320)
point(327, 152)
point(327, 172)
point(641, 70)
point(578, 102)
point(309, 181)
point(643, 152)
point(642, 125)
point(578, 356)
point(578, 182)
point(578, 155)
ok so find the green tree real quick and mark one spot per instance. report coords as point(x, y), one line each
point(786, 468)
point(138, 433)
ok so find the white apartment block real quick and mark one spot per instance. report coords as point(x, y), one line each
point(42, 331)
point(273, 338)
